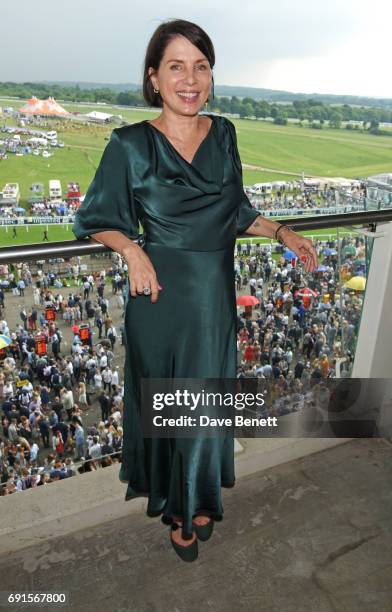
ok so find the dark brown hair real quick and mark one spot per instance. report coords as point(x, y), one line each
point(156, 49)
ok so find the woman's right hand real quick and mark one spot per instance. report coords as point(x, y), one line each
point(141, 272)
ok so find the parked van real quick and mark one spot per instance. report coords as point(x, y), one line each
point(10, 195)
point(38, 141)
point(55, 191)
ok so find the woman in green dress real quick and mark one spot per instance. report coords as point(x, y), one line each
point(180, 175)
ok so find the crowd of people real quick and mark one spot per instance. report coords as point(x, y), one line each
point(293, 197)
point(300, 327)
point(42, 208)
point(61, 390)
point(8, 212)
point(46, 208)
point(301, 198)
point(49, 394)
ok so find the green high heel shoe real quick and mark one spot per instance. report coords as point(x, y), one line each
point(186, 553)
point(204, 532)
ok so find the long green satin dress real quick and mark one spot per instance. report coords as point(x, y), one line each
point(191, 214)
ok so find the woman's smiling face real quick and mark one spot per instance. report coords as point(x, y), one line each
point(184, 77)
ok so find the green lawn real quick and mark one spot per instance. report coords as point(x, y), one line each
point(34, 234)
point(322, 153)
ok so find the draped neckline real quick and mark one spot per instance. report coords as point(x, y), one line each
point(205, 139)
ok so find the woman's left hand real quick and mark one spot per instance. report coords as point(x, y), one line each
point(303, 248)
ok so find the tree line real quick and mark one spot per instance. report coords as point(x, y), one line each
point(315, 113)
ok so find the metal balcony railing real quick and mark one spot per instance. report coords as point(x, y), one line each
point(73, 248)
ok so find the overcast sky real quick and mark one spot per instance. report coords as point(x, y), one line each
point(310, 46)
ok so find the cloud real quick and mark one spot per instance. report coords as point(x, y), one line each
point(257, 43)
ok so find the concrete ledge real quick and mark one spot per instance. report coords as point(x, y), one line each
point(262, 453)
point(66, 506)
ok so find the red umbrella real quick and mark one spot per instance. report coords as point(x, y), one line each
point(306, 292)
point(247, 300)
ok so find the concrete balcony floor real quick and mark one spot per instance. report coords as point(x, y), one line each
point(312, 534)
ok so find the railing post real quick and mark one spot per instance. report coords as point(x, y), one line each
point(373, 355)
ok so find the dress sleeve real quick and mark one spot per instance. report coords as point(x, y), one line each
point(246, 213)
point(109, 202)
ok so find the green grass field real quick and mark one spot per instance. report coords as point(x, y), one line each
point(324, 152)
point(278, 149)
point(281, 149)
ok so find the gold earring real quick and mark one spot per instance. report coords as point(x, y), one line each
point(206, 102)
